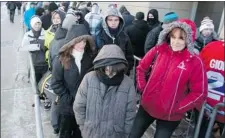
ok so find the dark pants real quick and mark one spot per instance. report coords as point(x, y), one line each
point(68, 127)
point(164, 129)
point(204, 125)
point(39, 72)
point(11, 16)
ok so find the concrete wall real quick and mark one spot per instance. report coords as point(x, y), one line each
point(183, 9)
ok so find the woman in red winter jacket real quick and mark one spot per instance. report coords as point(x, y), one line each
point(177, 82)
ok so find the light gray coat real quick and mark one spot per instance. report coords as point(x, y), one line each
point(103, 112)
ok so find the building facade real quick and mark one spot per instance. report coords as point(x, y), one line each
point(191, 10)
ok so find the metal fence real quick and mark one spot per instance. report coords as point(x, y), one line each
point(39, 128)
point(211, 122)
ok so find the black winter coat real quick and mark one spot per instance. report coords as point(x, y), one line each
point(152, 38)
point(56, 44)
point(137, 33)
point(65, 82)
point(122, 40)
point(128, 18)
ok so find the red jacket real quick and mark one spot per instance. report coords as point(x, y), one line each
point(166, 95)
point(213, 58)
point(177, 82)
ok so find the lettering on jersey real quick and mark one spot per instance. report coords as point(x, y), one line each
point(217, 64)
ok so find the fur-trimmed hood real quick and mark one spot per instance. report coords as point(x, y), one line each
point(75, 35)
point(111, 11)
point(187, 26)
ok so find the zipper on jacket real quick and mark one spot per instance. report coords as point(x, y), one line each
point(175, 94)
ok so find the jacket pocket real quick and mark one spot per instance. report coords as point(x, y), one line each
point(176, 110)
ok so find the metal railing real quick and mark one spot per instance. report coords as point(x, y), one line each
point(211, 122)
point(39, 128)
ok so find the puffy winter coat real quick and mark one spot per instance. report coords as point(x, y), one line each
point(56, 44)
point(178, 80)
point(152, 38)
point(137, 33)
point(65, 82)
point(104, 111)
point(35, 46)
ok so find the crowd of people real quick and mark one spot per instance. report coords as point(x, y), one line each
point(89, 54)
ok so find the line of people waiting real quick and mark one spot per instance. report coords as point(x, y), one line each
point(90, 58)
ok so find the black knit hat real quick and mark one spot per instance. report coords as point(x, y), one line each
point(140, 16)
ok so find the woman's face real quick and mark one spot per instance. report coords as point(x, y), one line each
point(56, 19)
point(177, 39)
point(80, 46)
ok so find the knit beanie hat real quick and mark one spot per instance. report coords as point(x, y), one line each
point(140, 16)
point(206, 23)
point(170, 17)
point(34, 19)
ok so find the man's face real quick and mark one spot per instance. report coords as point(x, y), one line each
point(113, 21)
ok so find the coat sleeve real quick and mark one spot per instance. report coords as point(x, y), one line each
point(58, 86)
point(26, 46)
point(131, 110)
point(143, 68)
point(79, 106)
point(197, 89)
point(129, 54)
point(150, 41)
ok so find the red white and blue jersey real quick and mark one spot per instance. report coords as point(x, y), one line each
point(213, 58)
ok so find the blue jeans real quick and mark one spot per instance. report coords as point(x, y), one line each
point(164, 129)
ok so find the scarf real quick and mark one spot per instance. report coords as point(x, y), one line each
point(54, 27)
point(114, 81)
point(36, 33)
point(113, 31)
point(205, 40)
point(78, 57)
